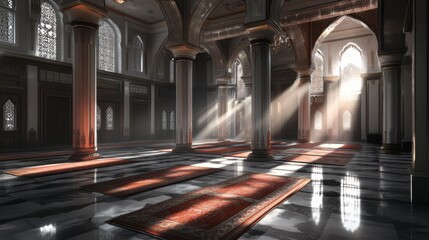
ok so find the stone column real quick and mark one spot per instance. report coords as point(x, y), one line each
point(261, 37)
point(84, 20)
point(420, 168)
point(304, 78)
point(222, 111)
point(391, 74)
point(184, 55)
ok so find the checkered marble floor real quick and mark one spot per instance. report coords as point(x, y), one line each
point(367, 199)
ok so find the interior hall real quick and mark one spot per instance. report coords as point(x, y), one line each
point(214, 119)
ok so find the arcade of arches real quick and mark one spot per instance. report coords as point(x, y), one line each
point(241, 85)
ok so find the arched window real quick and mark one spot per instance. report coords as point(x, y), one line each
point(241, 90)
point(106, 47)
point(98, 117)
point(109, 118)
point(9, 116)
point(347, 120)
point(7, 21)
point(318, 120)
point(172, 121)
point(47, 32)
point(172, 70)
point(317, 75)
point(351, 65)
point(164, 120)
point(138, 54)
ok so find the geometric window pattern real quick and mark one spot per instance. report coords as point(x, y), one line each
point(138, 53)
point(7, 21)
point(47, 32)
point(9, 116)
point(164, 120)
point(172, 123)
point(351, 65)
point(98, 117)
point(109, 118)
point(316, 85)
point(318, 120)
point(347, 120)
point(241, 91)
point(106, 47)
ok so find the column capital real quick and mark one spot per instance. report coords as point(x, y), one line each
point(223, 80)
point(304, 73)
point(263, 31)
point(82, 13)
point(184, 50)
point(391, 58)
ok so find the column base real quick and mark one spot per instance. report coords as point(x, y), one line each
point(259, 155)
point(302, 140)
point(183, 148)
point(84, 154)
point(419, 188)
point(390, 148)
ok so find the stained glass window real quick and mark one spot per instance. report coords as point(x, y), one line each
point(164, 120)
point(138, 54)
point(7, 21)
point(98, 117)
point(347, 120)
point(109, 118)
point(47, 32)
point(317, 75)
point(172, 121)
point(106, 47)
point(318, 120)
point(9, 118)
point(351, 65)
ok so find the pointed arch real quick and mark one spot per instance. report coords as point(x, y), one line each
point(7, 21)
point(332, 26)
point(9, 116)
point(202, 11)
point(173, 18)
point(138, 54)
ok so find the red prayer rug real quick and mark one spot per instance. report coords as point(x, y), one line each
point(51, 169)
point(318, 159)
point(138, 183)
point(222, 211)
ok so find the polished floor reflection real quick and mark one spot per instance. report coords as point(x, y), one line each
point(366, 199)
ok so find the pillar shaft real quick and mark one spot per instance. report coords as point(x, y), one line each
point(184, 55)
point(391, 69)
point(420, 168)
point(261, 99)
point(183, 104)
point(304, 107)
point(84, 92)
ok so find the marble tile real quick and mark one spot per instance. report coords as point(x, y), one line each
point(367, 199)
